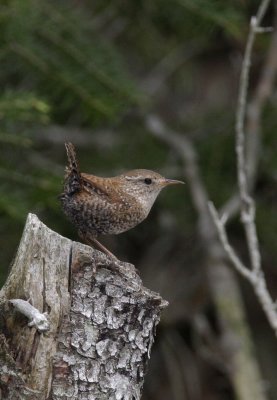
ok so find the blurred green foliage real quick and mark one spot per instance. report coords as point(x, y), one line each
point(53, 48)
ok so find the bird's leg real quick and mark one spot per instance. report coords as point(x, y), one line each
point(103, 248)
point(91, 240)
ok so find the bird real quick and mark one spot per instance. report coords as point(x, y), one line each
point(108, 205)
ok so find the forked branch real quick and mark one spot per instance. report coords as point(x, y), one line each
point(254, 274)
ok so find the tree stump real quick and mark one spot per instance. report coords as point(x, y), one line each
point(75, 324)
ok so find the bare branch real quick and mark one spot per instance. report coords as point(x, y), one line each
point(247, 204)
point(252, 115)
point(243, 87)
point(247, 207)
point(230, 252)
point(256, 278)
point(262, 93)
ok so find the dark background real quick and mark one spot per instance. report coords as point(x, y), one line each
point(91, 72)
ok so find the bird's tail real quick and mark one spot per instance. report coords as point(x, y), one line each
point(73, 166)
point(73, 180)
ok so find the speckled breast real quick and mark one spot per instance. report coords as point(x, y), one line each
point(99, 217)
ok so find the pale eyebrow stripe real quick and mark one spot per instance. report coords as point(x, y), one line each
point(134, 178)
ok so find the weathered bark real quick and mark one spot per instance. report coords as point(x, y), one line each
point(102, 322)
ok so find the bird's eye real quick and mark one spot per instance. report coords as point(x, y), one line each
point(148, 181)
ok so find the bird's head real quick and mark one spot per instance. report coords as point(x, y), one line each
point(145, 185)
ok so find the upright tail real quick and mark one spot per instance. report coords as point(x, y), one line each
point(73, 166)
point(73, 180)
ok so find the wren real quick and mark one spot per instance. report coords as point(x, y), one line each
point(108, 206)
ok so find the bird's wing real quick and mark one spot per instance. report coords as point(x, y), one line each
point(92, 185)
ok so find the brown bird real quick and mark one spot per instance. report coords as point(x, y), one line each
point(108, 206)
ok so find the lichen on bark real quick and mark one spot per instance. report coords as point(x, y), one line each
point(106, 339)
point(102, 322)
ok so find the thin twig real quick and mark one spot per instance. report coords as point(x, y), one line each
point(247, 209)
point(262, 93)
point(257, 280)
point(247, 203)
point(230, 252)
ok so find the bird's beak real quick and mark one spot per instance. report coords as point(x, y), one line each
point(166, 182)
